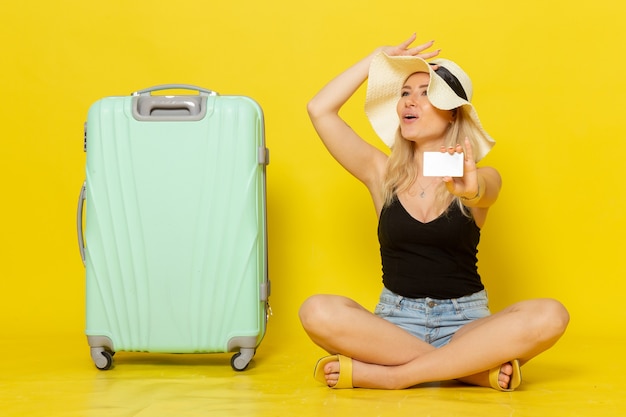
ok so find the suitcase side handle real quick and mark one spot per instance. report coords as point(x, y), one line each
point(202, 91)
point(79, 222)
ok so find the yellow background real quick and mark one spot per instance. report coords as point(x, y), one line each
point(549, 86)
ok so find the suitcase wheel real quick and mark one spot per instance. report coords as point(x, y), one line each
point(102, 358)
point(241, 359)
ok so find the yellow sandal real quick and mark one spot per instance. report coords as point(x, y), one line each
point(345, 374)
point(516, 377)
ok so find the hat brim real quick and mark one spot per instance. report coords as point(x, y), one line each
point(388, 74)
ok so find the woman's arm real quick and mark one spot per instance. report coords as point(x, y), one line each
point(478, 188)
point(357, 156)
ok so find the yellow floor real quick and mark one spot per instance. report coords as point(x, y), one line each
point(44, 377)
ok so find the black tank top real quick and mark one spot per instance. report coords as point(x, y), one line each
point(435, 259)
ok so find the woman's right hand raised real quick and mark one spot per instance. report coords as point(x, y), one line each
point(405, 49)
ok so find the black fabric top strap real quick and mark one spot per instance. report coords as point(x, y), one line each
point(452, 81)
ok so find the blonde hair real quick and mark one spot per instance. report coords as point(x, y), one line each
point(402, 171)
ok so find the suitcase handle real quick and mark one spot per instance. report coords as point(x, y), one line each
point(79, 222)
point(155, 106)
point(147, 91)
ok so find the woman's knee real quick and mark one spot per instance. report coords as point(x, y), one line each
point(318, 313)
point(559, 315)
point(309, 308)
point(314, 311)
point(551, 318)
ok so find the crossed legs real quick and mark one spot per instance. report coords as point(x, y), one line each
point(385, 356)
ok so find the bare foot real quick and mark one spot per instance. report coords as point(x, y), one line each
point(482, 379)
point(364, 375)
point(331, 373)
point(504, 378)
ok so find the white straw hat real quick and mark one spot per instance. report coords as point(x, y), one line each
point(449, 88)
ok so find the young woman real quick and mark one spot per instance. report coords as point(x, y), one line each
point(432, 322)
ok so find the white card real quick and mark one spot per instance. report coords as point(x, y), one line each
point(442, 164)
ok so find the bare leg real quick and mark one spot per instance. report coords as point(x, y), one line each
point(340, 325)
point(521, 331)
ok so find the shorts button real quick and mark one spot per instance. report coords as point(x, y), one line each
point(431, 304)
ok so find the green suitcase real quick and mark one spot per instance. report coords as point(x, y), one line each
point(172, 225)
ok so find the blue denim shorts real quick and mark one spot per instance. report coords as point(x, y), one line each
point(431, 320)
